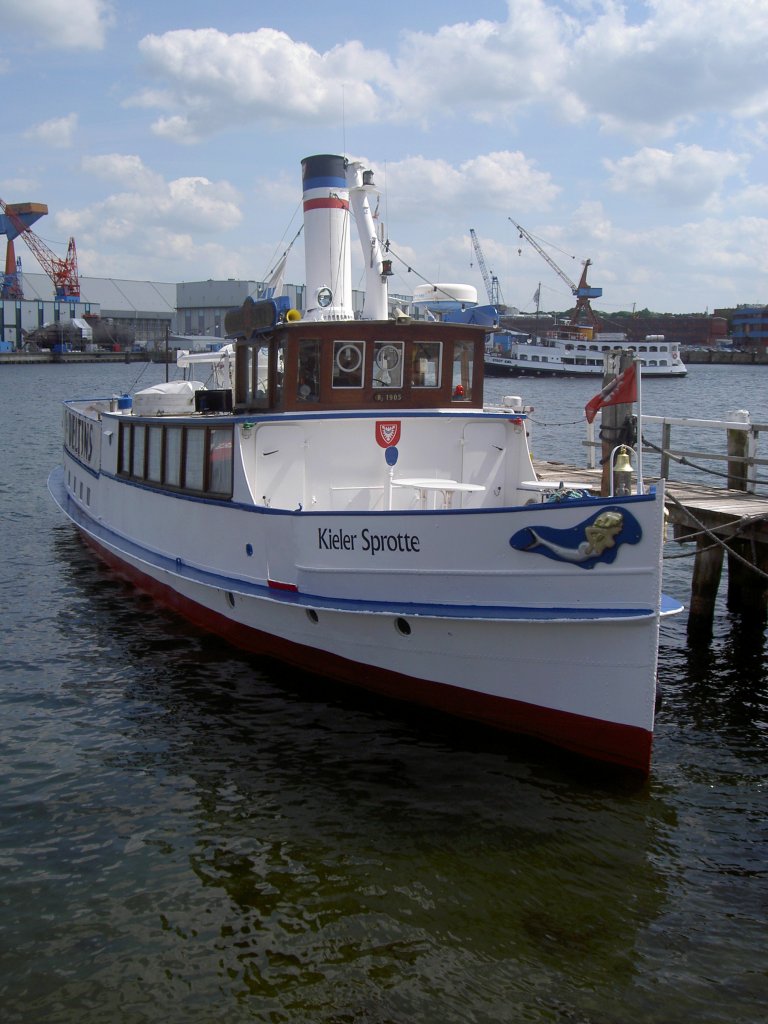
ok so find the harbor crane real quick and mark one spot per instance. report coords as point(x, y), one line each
point(492, 286)
point(17, 218)
point(582, 291)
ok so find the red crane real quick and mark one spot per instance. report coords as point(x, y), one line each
point(63, 273)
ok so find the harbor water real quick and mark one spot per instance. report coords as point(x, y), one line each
point(192, 835)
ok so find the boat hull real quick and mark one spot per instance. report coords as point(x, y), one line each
point(582, 680)
point(500, 367)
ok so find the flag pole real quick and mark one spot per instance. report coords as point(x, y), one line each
point(638, 381)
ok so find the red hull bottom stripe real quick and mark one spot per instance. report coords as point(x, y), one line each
point(625, 745)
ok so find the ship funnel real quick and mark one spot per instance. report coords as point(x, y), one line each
point(326, 238)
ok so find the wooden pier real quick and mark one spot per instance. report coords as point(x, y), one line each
point(725, 522)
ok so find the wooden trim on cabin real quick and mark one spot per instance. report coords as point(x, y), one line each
point(393, 357)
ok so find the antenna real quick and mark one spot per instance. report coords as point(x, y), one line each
point(343, 120)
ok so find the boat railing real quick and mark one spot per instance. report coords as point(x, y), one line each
point(733, 459)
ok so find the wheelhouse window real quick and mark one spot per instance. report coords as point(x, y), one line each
point(308, 371)
point(258, 375)
point(425, 364)
point(348, 364)
point(463, 368)
point(388, 364)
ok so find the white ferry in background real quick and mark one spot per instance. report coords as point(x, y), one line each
point(576, 352)
point(343, 500)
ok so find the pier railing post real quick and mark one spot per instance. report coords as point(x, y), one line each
point(666, 444)
point(738, 448)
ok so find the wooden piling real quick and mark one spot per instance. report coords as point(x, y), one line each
point(707, 569)
point(747, 590)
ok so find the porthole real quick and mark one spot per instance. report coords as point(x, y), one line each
point(312, 615)
point(403, 627)
point(230, 599)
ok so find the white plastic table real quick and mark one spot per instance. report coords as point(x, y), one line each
point(446, 487)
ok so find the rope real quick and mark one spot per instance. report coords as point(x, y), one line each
point(132, 388)
point(565, 423)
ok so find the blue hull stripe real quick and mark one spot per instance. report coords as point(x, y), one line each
point(136, 552)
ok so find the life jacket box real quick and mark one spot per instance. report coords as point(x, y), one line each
point(215, 400)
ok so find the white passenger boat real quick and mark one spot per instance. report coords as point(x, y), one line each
point(343, 501)
point(577, 352)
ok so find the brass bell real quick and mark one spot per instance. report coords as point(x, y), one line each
point(622, 472)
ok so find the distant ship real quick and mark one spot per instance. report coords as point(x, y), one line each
point(575, 352)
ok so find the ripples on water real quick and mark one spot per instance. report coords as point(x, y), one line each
point(192, 835)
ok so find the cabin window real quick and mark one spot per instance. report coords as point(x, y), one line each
point(137, 450)
point(463, 365)
point(308, 372)
point(124, 449)
point(348, 364)
point(220, 461)
point(425, 365)
point(173, 449)
point(188, 458)
point(194, 463)
point(388, 364)
point(155, 455)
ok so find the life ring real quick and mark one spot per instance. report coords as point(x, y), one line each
point(357, 358)
point(383, 356)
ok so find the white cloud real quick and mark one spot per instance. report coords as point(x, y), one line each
point(58, 132)
point(687, 175)
point(152, 220)
point(647, 72)
point(686, 59)
point(59, 24)
point(216, 81)
point(503, 181)
point(484, 68)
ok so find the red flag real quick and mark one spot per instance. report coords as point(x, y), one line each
point(621, 390)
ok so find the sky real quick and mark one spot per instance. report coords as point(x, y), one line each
point(167, 139)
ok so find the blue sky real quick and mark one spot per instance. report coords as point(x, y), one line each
point(167, 138)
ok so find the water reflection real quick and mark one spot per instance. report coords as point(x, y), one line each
point(299, 849)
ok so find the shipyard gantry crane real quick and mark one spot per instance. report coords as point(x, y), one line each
point(491, 281)
point(62, 272)
point(582, 291)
